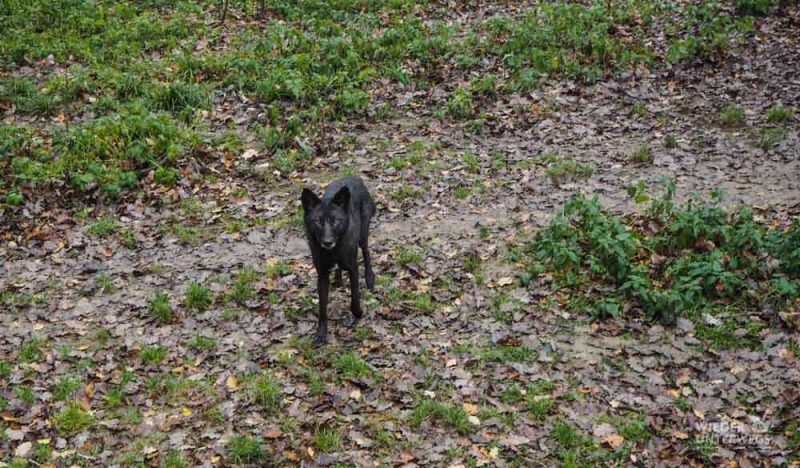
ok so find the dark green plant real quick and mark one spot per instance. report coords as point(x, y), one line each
point(709, 257)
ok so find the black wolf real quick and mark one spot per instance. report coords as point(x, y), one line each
point(336, 226)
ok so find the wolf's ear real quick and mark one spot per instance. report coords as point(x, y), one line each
point(310, 200)
point(342, 197)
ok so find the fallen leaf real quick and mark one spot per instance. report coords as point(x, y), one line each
point(13, 434)
point(248, 154)
point(360, 439)
point(614, 441)
point(232, 383)
point(23, 449)
point(513, 441)
point(470, 408)
point(505, 281)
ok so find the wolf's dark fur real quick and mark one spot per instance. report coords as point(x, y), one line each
point(336, 226)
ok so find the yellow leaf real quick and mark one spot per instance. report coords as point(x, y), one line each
point(186, 411)
point(614, 441)
point(232, 383)
point(470, 408)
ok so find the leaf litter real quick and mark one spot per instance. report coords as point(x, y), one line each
point(514, 375)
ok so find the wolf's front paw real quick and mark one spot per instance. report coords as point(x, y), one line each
point(320, 338)
point(370, 278)
point(352, 322)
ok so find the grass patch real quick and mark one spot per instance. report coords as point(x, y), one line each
point(352, 366)
point(245, 449)
point(202, 343)
point(326, 439)
point(71, 420)
point(779, 114)
point(768, 138)
point(31, 351)
point(197, 297)
point(277, 268)
point(451, 415)
point(732, 116)
point(102, 228)
point(174, 459)
point(642, 155)
point(712, 258)
point(670, 141)
point(408, 255)
point(505, 354)
point(160, 308)
point(242, 289)
point(25, 394)
point(5, 369)
point(266, 392)
point(568, 168)
point(66, 388)
point(152, 355)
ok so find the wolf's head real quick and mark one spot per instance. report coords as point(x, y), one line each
point(326, 221)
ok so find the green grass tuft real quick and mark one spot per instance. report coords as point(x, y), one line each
point(160, 307)
point(245, 450)
point(351, 365)
point(71, 420)
point(197, 297)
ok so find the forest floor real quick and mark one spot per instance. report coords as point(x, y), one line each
point(171, 326)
